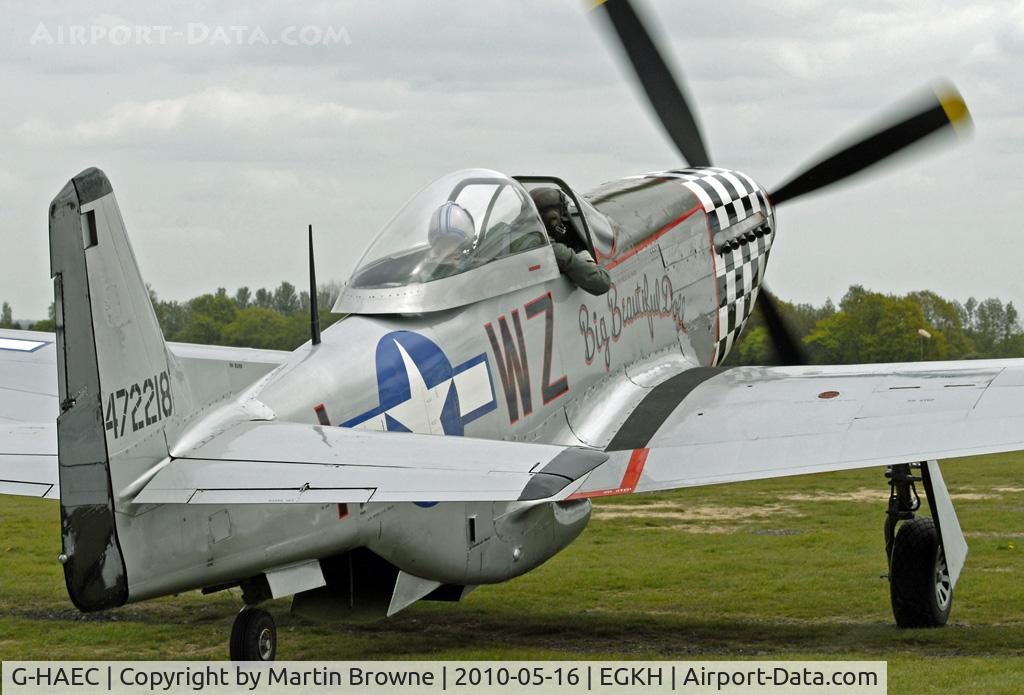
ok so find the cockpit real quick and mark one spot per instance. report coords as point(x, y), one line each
point(467, 236)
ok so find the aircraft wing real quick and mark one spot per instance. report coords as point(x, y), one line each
point(280, 462)
point(29, 408)
point(711, 426)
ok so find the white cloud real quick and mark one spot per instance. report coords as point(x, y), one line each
point(8, 182)
point(276, 137)
point(1011, 34)
point(226, 110)
point(271, 180)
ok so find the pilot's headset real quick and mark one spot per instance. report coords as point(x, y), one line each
point(548, 197)
point(452, 226)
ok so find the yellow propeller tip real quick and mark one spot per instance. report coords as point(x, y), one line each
point(955, 108)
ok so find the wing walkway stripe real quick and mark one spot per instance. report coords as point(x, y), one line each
point(655, 408)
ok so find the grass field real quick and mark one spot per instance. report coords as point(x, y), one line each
point(784, 569)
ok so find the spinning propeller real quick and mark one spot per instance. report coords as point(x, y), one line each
point(938, 111)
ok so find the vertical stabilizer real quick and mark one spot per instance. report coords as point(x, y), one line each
point(119, 390)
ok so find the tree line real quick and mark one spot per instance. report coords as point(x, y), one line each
point(276, 319)
point(865, 327)
point(875, 327)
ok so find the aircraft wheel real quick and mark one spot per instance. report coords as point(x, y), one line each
point(919, 582)
point(253, 636)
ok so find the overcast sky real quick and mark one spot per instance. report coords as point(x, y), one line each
point(223, 143)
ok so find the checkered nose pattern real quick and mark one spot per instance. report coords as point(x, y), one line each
point(732, 201)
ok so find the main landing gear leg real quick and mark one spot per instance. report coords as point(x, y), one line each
point(919, 583)
point(254, 634)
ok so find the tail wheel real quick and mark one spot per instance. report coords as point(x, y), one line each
point(919, 582)
point(253, 636)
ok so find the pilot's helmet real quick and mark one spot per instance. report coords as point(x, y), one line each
point(546, 197)
point(451, 226)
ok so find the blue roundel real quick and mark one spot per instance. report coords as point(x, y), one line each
point(425, 504)
point(409, 366)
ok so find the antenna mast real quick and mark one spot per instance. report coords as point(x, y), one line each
point(314, 310)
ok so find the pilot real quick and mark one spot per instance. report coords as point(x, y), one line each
point(571, 254)
point(451, 233)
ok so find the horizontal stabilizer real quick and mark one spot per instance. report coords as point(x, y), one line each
point(28, 379)
point(289, 463)
point(29, 404)
point(28, 460)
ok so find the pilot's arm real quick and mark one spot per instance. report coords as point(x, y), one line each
point(581, 269)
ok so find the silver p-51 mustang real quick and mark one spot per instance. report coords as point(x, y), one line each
point(453, 428)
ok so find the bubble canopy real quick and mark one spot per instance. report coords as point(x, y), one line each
point(467, 236)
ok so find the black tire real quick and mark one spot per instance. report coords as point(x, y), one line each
point(919, 585)
point(253, 636)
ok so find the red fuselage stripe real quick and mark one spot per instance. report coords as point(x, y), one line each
point(654, 237)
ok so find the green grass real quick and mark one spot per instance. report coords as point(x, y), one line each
point(783, 569)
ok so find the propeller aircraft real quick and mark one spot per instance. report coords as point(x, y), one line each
point(454, 427)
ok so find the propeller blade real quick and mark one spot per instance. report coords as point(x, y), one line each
point(788, 347)
point(663, 91)
point(940, 109)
